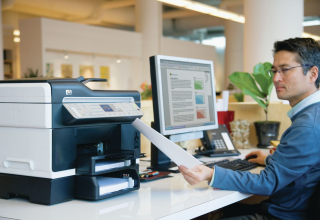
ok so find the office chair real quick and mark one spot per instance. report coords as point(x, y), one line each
point(314, 205)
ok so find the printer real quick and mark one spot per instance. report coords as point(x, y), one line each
point(60, 140)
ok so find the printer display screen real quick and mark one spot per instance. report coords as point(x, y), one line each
point(106, 108)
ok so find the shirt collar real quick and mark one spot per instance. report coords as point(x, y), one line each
point(311, 99)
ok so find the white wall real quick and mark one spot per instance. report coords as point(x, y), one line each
point(178, 48)
point(70, 36)
point(120, 73)
point(266, 22)
point(45, 40)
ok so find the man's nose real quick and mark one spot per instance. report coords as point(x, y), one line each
point(277, 76)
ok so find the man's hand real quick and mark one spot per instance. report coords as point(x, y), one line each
point(196, 174)
point(260, 157)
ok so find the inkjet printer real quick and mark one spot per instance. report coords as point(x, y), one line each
point(60, 140)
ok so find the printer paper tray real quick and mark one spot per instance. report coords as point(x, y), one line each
point(96, 165)
point(88, 187)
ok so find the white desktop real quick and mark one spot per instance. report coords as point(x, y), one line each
point(169, 198)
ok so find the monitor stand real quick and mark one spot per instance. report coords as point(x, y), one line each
point(160, 161)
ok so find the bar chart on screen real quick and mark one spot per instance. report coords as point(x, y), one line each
point(201, 113)
point(199, 98)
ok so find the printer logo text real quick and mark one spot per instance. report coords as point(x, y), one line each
point(68, 92)
point(15, 113)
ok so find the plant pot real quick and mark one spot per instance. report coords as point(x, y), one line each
point(266, 132)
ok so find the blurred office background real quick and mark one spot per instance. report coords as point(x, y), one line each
point(114, 38)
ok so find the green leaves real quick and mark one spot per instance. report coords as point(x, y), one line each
point(249, 83)
point(262, 77)
point(244, 80)
point(31, 73)
point(238, 96)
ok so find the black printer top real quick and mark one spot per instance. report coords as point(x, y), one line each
point(45, 79)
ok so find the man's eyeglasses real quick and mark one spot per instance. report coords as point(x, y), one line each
point(284, 71)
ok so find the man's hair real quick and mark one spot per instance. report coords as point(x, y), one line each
point(307, 49)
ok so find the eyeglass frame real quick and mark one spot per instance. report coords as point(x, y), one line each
point(271, 73)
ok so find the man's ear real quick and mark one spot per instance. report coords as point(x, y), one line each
point(314, 74)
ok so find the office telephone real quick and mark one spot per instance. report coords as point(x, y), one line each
point(217, 143)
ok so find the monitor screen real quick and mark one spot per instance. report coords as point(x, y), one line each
point(183, 93)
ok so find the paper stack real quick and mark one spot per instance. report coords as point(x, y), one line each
point(110, 184)
point(106, 165)
point(222, 104)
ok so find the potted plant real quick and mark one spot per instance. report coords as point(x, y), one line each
point(259, 86)
point(30, 73)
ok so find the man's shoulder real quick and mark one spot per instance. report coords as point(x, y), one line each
point(307, 117)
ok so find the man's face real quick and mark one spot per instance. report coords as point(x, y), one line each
point(290, 85)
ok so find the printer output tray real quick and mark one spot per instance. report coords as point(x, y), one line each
point(88, 187)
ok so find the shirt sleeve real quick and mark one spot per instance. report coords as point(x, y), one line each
point(212, 179)
point(266, 161)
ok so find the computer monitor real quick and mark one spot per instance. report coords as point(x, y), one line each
point(183, 92)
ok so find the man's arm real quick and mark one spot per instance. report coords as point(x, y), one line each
point(202, 173)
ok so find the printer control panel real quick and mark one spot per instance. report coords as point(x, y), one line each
point(103, 110)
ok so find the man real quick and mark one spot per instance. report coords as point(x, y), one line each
point(293, 171)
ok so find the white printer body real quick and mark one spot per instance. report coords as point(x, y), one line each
point(46, 126)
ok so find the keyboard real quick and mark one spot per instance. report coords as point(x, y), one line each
point(237, 164)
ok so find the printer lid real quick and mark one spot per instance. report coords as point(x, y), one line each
point(29, 90)
point(25, 92)
point(55, 90)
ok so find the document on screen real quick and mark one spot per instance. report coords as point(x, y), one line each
point(173, 151)
point(188, 93)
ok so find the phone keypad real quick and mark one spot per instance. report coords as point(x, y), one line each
point(218, 142)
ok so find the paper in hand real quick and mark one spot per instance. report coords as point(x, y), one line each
point(173, 151)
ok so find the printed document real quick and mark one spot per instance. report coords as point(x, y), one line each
point(173, 151)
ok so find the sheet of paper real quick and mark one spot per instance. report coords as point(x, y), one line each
point(173, 151)
point(109, 184)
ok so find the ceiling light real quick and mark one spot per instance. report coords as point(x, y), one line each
point(311, 23)
point(66, 56)
point(307, 35)
point(218, 42)
point(16, 33)
point(180, 3)
point(206, 9)
point(118, 61)
point(199, 8)
point(16, 39)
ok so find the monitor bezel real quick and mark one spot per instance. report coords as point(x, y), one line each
point(158, 90)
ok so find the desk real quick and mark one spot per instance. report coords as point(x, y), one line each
point(169, 198)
